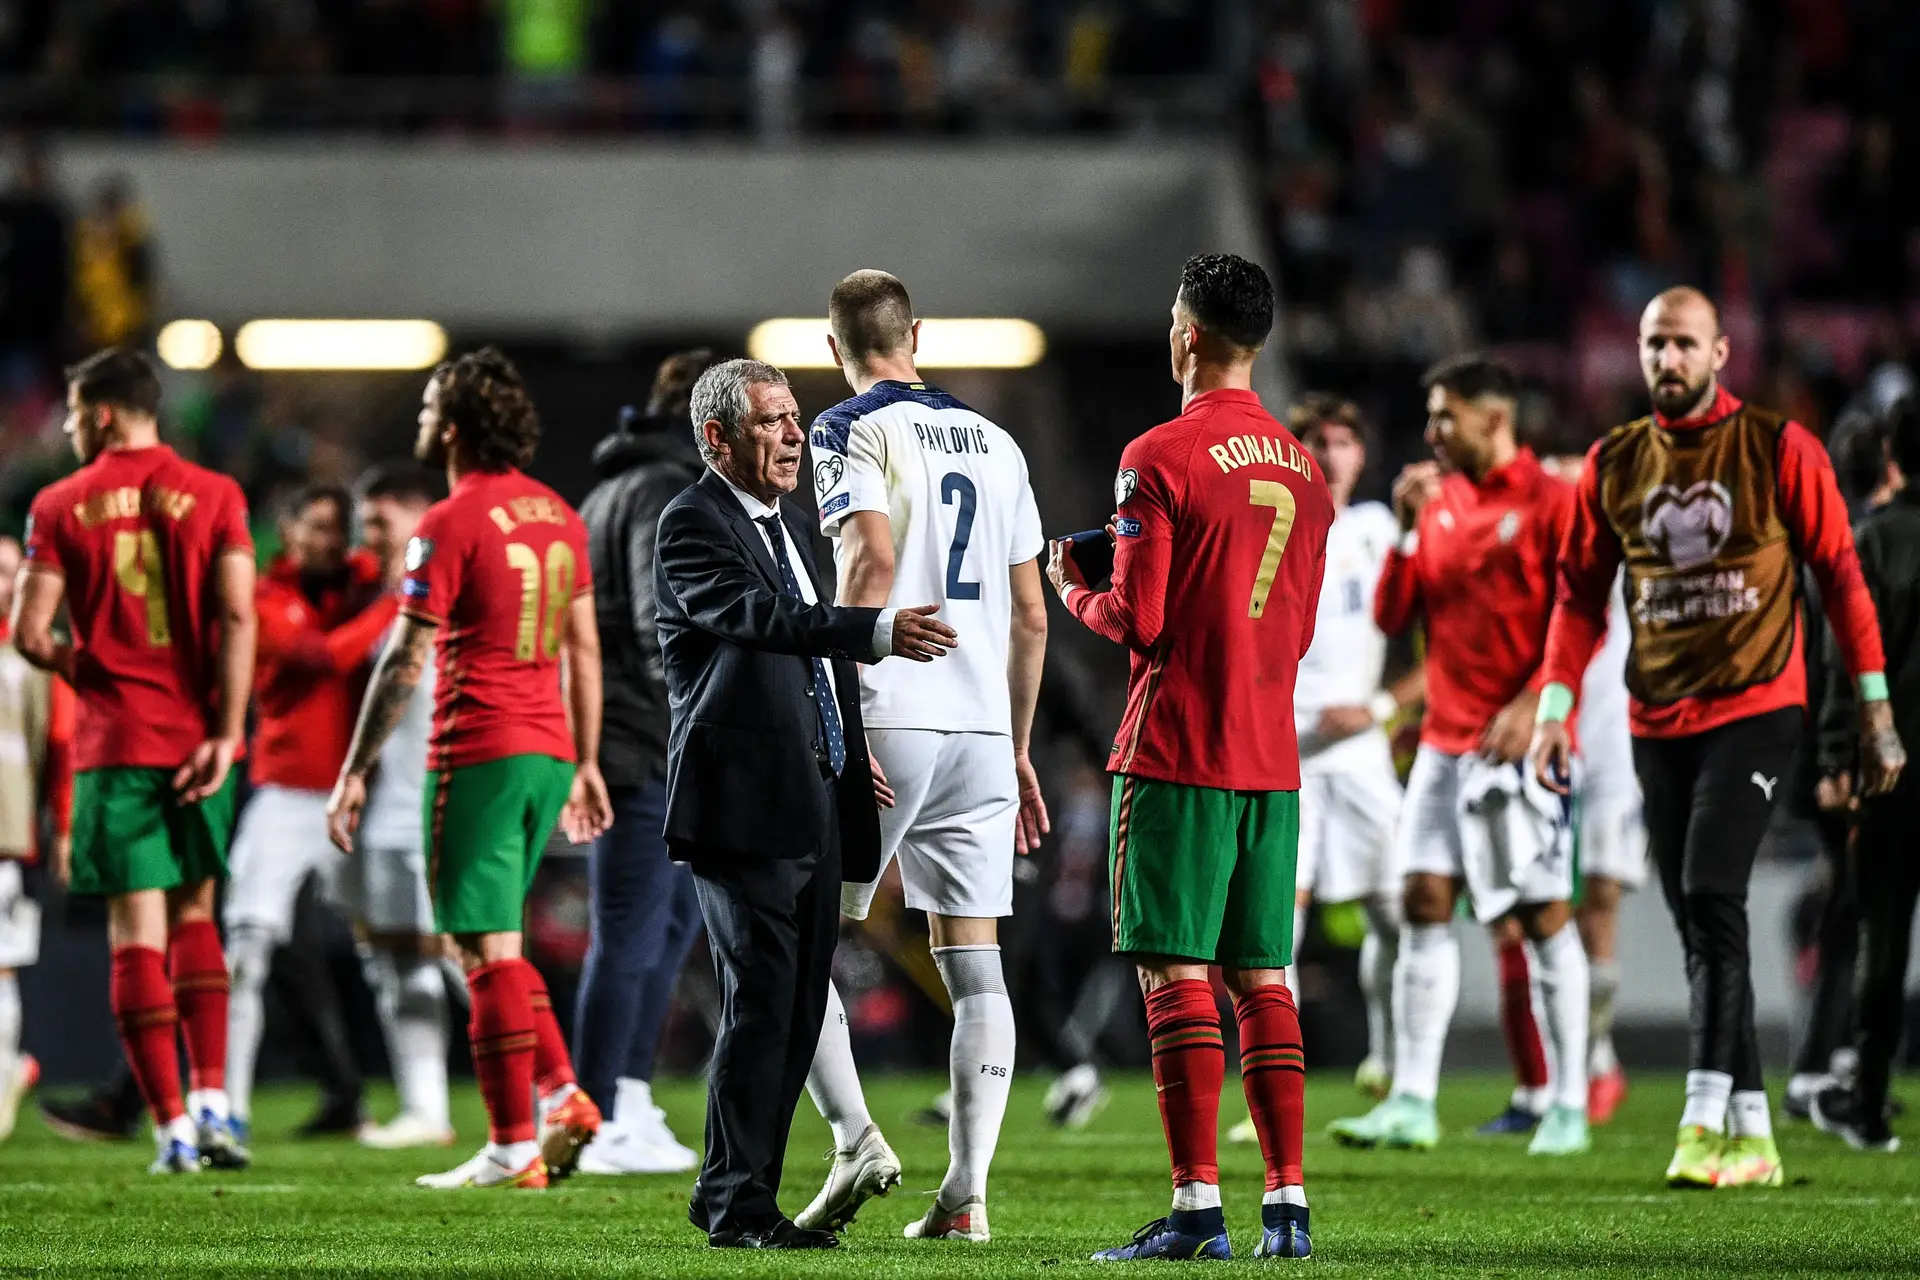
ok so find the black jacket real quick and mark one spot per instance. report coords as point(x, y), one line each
point(640, 469)
point(1889, 544)
point(743, 771)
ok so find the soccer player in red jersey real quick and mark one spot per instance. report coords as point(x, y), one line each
point(1220, 540)
point(1476, 564)
point(153, 560)
point(1712, 505)
point(321, 612)
point(498, 572)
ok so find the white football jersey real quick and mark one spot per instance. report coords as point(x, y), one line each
point(1606, 743)
point(1343, 665)
point(954, 488)
point(393, 819)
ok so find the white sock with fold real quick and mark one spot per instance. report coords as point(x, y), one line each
point(980, 1062)
point(249, 954)
point(1707, 1094)
point(1748, 1115)
point(834, 1082)
point(1603, 988)
point(410, 995)
point(9, 1024)
point(632, 1104)
point(1426, 987)
point(1559, 966)
point(1378, 954)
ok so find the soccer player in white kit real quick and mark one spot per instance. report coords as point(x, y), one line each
point(387, 885)
point(926, 498)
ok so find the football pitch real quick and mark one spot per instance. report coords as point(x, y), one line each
point(1473, 1207)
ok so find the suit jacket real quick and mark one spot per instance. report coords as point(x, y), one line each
point(743, 773)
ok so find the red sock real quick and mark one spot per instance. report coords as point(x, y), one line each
point(552, 1066)
point(144, 1011)
point(199, 971)
point(1189, 1064)
point(1524, 1047)
point(503, 1038)
point(1273, 1071)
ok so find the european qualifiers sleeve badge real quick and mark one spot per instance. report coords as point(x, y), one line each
point(1124, 484)
point(419, 551)
point(827, 473)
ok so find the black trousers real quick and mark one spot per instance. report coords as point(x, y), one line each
point(1887, 870)
point(772, 926)
point(1830, 1022)
point(1708, 800)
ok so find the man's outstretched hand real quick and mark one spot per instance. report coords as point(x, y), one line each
point(918, 635)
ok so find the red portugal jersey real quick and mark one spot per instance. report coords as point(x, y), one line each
point(1222, 539)
point(496, 567)
point(1481, 574)
point(136, 533)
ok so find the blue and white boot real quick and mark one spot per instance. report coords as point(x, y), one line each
point(1196, 1235)
point(1283, 1232)
point(177, 1152)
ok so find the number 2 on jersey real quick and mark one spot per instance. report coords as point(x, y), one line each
point(1270, 493)
point(957, 485)
point(541, 628)
point(136, 566)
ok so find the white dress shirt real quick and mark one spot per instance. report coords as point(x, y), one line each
point(757, 511)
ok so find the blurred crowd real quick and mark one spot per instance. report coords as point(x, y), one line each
point(1526, 173)
point(773, 65)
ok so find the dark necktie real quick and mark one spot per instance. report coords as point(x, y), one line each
point(822, 691)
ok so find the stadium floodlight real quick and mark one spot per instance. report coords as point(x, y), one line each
point(189, 344)
point(340, 344)
point(944, 344)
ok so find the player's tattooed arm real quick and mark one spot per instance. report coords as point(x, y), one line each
point(36, 602)
point(395, 677)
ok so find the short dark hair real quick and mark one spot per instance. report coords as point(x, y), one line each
point(1319, 408)
point(870, 315)
point(1471, 376)
point(118, 376)
point(1902, 432)
point(307, 494)
point(405, 480)
point(483, 394)
point(1229, 296)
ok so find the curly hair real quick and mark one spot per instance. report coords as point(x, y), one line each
point(1230, 296)
point(483, 395)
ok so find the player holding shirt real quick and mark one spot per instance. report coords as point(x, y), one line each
point(501, 566)
point(1220, 543)
point(153, 560)
point(1476, 564)
point(927, 500)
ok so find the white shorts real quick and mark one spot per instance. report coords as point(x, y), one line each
point(955, 801)
point(1613, 838)
point(280, 841)
point(389, 889)
point(1347, 825)
point(19, 919)
point(1430, 842)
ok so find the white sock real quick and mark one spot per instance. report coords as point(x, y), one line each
point(1189, 1196)
point(1707, 1093)
point(410, 995)
point(1426, 986)
point(179, 1129)
point(249, 953)
point(981, 1065)
point(1295, 1194)
point(1603, 986)
point(1378, 954)
point(632, 1103)
point(834, 1082)
point(512, 1155)
point(1559, 967)
point(1748, 1115)
point(200, 1101)
point(1530, 1099)
point(9, 1023)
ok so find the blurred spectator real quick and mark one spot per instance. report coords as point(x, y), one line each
point(33, 277)
point(113, 268)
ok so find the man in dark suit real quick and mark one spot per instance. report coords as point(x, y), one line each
point(770, 792)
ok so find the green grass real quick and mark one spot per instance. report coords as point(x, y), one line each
point(1474, 1207)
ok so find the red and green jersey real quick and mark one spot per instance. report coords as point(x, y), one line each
point(136, 534)
point(496, 567)
point(1221, 523)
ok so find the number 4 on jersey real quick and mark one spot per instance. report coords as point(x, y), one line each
point(1270, 493)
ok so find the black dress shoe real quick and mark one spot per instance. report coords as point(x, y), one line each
point(336, 1117)
point(782, 1235)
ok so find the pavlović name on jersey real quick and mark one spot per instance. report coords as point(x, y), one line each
point(126, 503)
point(529, 510)
point(952, 439)
point(1244, 451)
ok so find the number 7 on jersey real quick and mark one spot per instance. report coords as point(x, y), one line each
point(1270, 493)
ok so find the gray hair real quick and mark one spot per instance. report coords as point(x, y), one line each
point(721, 396)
